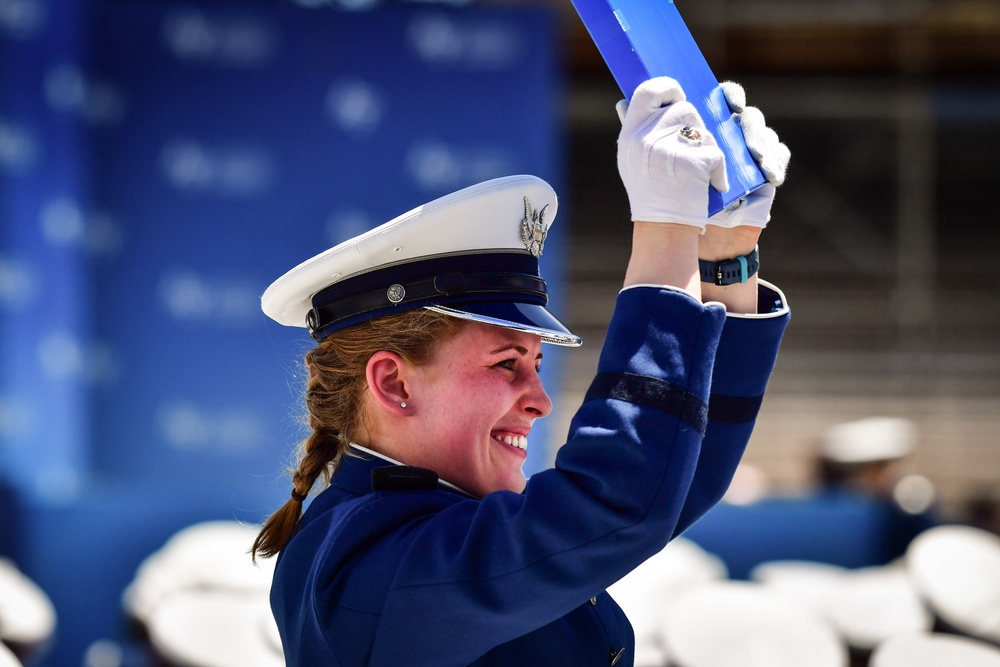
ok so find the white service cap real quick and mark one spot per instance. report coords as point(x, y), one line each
point(956, 569)
point(870, 439)
point(742, 624)
point(874, 604)
point(215, 629)
point(934, 650)
point(7, 658)
point(472, 254)
point(811, 583)
point(645, 593)
point(210, 555)
point(27, 615)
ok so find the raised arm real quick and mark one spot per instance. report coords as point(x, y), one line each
point(757, 317)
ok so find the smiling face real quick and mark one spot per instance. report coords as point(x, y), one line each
point(470, 410)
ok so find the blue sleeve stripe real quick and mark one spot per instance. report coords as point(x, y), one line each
point(733, 409)
point(650, 392)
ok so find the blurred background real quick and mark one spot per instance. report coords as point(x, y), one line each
point(162, 162)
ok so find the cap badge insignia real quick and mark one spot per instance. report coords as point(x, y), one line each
point(395, 293)
point(534, 228)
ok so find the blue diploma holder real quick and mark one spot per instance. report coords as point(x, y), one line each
point(642, 39)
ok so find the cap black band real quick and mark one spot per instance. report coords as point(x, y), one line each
point(437, 281)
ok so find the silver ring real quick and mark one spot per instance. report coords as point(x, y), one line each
point(689, 132)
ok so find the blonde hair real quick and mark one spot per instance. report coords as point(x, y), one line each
point(334, 399)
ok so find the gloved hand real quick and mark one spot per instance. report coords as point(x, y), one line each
point(666, 157)
point(771, 155)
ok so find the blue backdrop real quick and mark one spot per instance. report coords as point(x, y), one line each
point(160, 164)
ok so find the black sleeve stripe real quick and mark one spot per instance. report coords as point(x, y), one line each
point(651, 392)
point(733, 409)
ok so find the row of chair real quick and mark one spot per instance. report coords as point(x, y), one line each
point(687, 613)
point(200, 602)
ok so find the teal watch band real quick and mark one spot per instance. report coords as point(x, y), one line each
point(729, 271)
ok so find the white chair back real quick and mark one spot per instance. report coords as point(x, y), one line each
point(742, 624)
point(956, 570)
point(934, 650)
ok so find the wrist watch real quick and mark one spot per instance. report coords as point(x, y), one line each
point(729, 271)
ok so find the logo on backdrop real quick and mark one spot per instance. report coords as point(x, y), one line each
point(23, 19)
point(189, 296)
point(65, 356)
point(452, 42)
point(437, 166)
point(355, 107)
point(18, 419)
point(189, 426)
point(64, 224)
point(231, 41)
point(227, 171)
point(99, 103)
point(19, 147)
point(18, 283)
point(345, 223)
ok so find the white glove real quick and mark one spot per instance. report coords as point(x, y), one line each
point(771, 155)
point(666, 157)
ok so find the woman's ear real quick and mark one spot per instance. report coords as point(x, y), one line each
point(386, 374)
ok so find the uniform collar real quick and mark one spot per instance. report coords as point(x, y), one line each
point(353, 478)
point(354, 473)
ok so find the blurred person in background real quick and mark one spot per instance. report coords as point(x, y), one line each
point(867, 458)
point(981, 508)
point(426, 545)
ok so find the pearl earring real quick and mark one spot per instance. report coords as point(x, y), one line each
point(402, 404)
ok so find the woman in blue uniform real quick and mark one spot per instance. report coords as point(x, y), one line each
point(426, 545)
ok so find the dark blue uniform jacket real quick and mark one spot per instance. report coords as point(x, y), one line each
point(432, 577)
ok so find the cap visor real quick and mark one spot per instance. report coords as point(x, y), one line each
point(526, 317)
